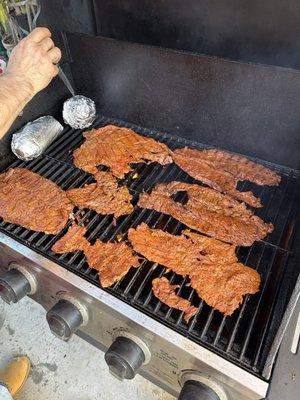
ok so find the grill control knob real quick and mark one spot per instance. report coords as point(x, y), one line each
point(193, 390)
point(14, 285)
point(124, 358)
point(64, 318)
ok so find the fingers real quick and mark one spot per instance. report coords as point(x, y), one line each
point(39, 34)
point(55, 70)
point(54, 55)
point(47, 44)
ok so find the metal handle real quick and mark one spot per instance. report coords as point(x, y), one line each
point(66, 81)
point(296, 337)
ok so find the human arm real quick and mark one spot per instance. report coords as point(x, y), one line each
point(31, 67)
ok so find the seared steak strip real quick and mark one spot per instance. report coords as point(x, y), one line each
point(116, 148)
point(72, 241)
point(165, 292)
point(34, 202)
point(207, 211)
point(212, 266)
point(241, 167)
point(104, 196)
point(111, 260)
point(191, 161)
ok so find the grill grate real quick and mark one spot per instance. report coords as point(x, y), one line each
point(244, 338)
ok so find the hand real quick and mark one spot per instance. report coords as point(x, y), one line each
point(34, 60)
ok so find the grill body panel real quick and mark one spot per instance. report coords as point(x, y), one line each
point(246, 337)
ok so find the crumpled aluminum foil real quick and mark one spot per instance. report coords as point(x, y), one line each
point(34, 138)
point(79, 112)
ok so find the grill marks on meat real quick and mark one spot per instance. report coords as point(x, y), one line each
point(104, 196)
point(111, 260)
point(222, 171)
point(34, 202)
point(209, 212)
point(165, 292)
point(222, 278)
point(175, 252)
point(117, 147)
point(72, 241)
point(212, 266)
point(223, 286)
point(241, 167)
point(191, 162)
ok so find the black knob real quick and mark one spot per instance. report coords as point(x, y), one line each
point(64, 319)
point(193, 390)
point(14, 286)
point(124, 358)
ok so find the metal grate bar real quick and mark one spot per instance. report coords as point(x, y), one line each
point(264, 332)
point(262, 292)
point(69, 139)
point(242, 309)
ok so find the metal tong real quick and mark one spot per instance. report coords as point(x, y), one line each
point(66, 81)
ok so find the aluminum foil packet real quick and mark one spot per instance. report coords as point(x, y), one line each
point(79, 112)
point(34, 138)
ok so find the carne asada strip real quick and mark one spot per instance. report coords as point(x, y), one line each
point(165, 292)
point(209, 212)
point(116, 148)
point(241, 167)
point(212, 266)
point(111, 260)
point(104, 196)
point(72, 241)
point(190, 160)
point(32, 201)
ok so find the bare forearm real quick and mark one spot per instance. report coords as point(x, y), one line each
point(14, 95)
point(31, 67)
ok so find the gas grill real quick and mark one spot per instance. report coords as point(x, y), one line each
point(225, 357)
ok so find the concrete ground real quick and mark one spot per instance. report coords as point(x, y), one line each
point(62, 371)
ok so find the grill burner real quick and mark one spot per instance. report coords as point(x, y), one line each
point(244, 338)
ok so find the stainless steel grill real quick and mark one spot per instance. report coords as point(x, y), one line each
point(244, 338)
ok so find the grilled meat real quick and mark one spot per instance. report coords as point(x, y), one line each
point(191, 161)
point(72, 241)
point(165, 292)
point(212, 266)
point(207, 211)
point(116, 148)
point(223, 286)
point(34, 202)
point(241, 167)
point(104, 196)
point(111, 260)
